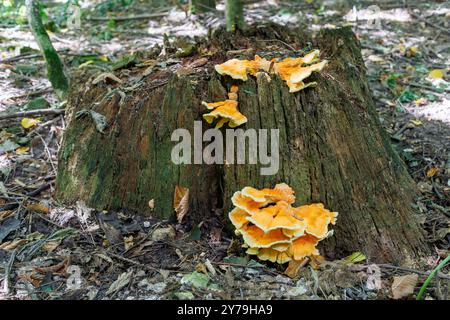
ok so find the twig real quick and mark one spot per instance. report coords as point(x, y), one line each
point(32, 94)
point(37, 112)
point(244, 266)
point(424, 86)
point(64, 52)
point(49, 154)
point(423, 273)
point(130, 261)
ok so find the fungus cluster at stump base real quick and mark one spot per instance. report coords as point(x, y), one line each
point(274, 230)
point(332, 147)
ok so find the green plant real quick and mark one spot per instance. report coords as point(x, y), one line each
point(431, 277)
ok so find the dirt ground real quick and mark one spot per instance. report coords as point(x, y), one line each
point(49, 251)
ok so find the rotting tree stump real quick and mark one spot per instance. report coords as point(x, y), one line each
point(332, 147)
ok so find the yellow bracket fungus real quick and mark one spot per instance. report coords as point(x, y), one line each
point(274, 230)
point(225, 110)
point(291, 70)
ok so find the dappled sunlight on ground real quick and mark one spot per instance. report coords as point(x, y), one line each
point(434, 111)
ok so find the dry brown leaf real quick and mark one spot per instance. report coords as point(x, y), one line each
point(11, 245)
point(38, 207)
point(181, 202)
point(201, 268)
point(50, 246)
point(432, 172)
point(198, 63)
point(31, 278)
point(294, 267)
point(184, 71)
point(6, 214)
point(404, 286)
point(57, 269)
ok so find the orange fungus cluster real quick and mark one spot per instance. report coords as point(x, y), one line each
point(226, 111)
point(276, 231)
point(292, 70)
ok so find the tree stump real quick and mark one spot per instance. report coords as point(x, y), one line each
point(332, 147)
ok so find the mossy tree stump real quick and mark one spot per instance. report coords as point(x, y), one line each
point(332, 147)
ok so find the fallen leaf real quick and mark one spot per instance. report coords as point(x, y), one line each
point(58, 269)
point(29, 122)
point(412, 51)
point(181, 202)
point(198, 63)
point(201, 268)
point(31, 278)
point(121, 281)
point(11, 245)
point(355, 257)
point(432, 172)
point(22, 150)
point(436, 74)
point(6, 214)
point(184, 295)
point(420, 102)
point(184, 71)
point(404, 286)
point(50, 246)
point(416, 122)
point(38, 207)
point(196, 279)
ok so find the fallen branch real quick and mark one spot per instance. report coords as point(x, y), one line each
point(37, 112)
point(64, 52)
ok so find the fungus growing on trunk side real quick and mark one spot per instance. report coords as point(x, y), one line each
point(274, 230)
point(225, 110)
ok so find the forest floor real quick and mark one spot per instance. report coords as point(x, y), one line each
point(48, 251)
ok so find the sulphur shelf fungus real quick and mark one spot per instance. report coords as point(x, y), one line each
point(275, 231)
point(292, 70)
point(226, 111)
